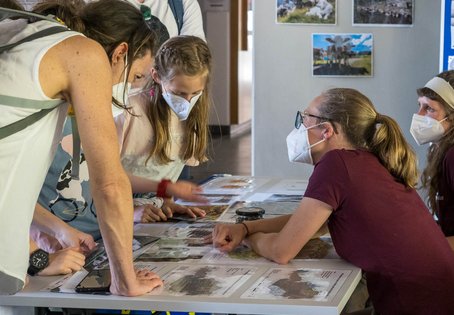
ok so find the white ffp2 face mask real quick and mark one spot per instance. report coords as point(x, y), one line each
point(180, 105)
point(120, 92)
point(298, 146)
point(425, 129)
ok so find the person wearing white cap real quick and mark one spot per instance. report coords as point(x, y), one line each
point(433, 123)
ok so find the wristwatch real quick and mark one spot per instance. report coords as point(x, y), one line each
point(39, 260)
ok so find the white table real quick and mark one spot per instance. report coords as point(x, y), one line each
point(32, 296)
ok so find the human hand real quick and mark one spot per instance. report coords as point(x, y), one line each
point(148, 213)
point(44, 241)
point(71, 237)
point(192, 212)
point(186, 190)
point(63, 262)
point(228, 236)
point(144, 282)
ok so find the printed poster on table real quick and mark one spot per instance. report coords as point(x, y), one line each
point(298, 284)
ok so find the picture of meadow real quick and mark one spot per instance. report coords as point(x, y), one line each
point(306, 11)
point(342, 54)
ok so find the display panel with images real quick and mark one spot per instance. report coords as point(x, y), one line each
point(383, 12)
point(447, 35)
point(306, 11)
point(338, 54)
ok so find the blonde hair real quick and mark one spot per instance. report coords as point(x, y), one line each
point(190, 56)
point(437, 151)
point(366, 129)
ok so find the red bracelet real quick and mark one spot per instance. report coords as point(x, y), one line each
point(162, 187)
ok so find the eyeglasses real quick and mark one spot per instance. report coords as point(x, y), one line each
point(301, 118)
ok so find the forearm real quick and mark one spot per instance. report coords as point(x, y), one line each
point(33, 246)
point(48, 223)
point(267, 225)
point(115, 213)
point(142, 185)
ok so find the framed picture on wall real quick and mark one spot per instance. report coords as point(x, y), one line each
point(337, 54)
point(306, 12)
point(383, 12)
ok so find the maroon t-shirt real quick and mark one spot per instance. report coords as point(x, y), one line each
point(384, 228)
point(446, 192)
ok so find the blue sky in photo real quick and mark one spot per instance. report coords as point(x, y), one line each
point(362, 42)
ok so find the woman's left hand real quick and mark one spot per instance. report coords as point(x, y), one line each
point(192, 212)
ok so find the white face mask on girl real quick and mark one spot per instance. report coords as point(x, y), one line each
point(180, 105)
point(298, 146)
point(425, 129)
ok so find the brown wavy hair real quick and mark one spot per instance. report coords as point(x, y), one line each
point(437, 150)
point(190, 56)
point(108, 22)
point(366, 129)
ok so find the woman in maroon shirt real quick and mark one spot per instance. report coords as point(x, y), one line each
point(433, 123)
point(363, 187)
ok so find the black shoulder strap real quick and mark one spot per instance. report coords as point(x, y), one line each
point(178, 12)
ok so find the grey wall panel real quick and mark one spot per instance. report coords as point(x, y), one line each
point(404, 59)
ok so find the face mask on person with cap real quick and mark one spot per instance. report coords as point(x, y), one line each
point(427, 128)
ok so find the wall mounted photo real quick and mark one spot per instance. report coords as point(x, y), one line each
point(339, 54)
point(306, 11)
point(383, 12)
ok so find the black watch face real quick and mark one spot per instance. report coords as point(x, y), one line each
point(39, 259)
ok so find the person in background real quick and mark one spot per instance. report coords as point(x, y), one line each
point(434, 124)
point(75, 69)
point(191, 22)
point(378, 222)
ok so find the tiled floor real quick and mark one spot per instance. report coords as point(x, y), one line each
point(229, 154)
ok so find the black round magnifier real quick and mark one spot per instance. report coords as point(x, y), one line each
point(249, 214)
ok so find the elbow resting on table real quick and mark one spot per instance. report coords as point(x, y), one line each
point(280, 255)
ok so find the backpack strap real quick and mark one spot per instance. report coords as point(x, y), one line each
point(76, 149)
point(23, 123)
point(39, 34)
point(178, 11)
point(6, 13)
point(46, 106)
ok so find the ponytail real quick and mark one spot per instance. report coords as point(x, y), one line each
point(393, 151)
point(365, 129)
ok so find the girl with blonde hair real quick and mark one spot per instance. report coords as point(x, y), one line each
point(168, 127)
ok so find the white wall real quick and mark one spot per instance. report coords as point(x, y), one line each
point(404, 59)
